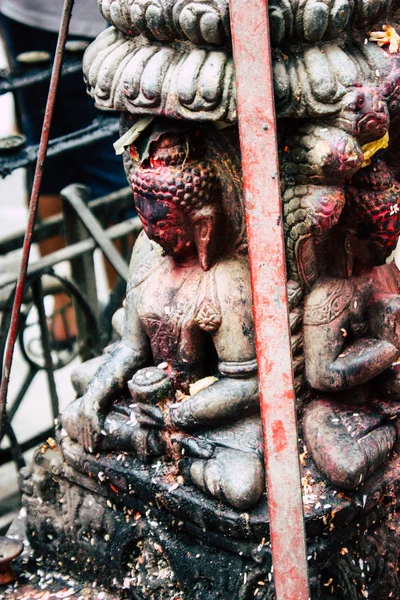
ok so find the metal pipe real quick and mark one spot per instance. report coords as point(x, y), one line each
point(44, 141)
point(101, 128)
point(258, 138)
point(30, 76)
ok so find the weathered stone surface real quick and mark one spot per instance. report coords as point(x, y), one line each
point(175, 482)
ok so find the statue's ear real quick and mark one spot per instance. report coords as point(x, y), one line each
point(204, 237)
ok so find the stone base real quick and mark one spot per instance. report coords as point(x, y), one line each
point(142, 532)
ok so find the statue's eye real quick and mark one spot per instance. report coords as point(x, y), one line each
point(162, 225)
point(360, 102)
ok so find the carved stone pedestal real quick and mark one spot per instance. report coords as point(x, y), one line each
point(137, 530)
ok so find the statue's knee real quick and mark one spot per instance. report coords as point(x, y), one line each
point(69, 419)
point(347, 472)
point(346, 452)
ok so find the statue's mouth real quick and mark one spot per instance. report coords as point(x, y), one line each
point(373, 122)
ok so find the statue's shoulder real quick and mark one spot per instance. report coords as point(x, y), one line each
point(233, 275)
point(233, 283)
point(145, 258)
point(140, 251)
point(327, 301)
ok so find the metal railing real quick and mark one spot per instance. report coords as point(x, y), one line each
point(84, 225)
point(94, 324)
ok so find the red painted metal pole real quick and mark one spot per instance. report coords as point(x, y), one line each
point(258, 138)
point(44, 141)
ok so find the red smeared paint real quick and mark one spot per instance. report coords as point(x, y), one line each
point(279, 436)
point(157, 186)
point(257, 127)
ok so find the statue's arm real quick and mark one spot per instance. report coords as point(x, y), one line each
point(227, 400)
point(112, 376)
point(358, 363)
point(235, 394)
point(333, 363)
point(132, 353)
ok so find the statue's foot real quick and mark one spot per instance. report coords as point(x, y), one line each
point(347, 443)
point(234, 477)
point(388, 384)
point(120, 431)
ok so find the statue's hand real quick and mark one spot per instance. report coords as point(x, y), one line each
point(195, 447)
point(90, 423)
point(384, 313)
point(149, 415)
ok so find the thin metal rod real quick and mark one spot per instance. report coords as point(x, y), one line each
point(258, 138)
point(37, 293)
point(44, 141)
point(22, 391)
point(15, 449)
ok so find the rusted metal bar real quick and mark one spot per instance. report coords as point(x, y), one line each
point(258, 137)
point(44, 140)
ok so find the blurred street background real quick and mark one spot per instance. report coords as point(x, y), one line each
point(34, 415)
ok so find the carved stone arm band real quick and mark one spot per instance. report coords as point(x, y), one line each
point(238, 369)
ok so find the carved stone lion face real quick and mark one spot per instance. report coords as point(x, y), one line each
point(364, 114)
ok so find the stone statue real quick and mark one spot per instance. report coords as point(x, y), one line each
point(187, 311)
point(158, 467)
point(351, 341)
point(336, 80)
point(351, 338)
